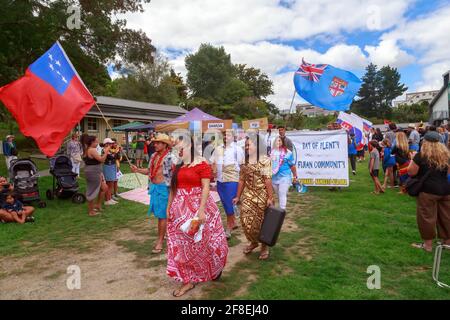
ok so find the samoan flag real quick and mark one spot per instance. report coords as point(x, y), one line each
point(49, 100)
point(325, 86)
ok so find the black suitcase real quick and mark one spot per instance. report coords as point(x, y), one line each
point(271, 226)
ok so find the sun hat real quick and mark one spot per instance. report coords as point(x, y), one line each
point(432, 136)
point(164, 138)
point(108, 140)
point(9, 136)
point(412, 126)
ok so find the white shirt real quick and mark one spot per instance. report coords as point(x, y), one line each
point(233, 154)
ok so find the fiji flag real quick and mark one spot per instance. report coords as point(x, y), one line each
point(49, 100)
point(325, 86)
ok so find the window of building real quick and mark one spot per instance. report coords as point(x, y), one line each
point(92, 124)
point(117, 123)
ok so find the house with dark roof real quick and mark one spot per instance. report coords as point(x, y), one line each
point(120, 112)
point(440, 106)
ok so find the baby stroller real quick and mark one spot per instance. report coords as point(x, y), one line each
point(65, 184)
point(23, 173)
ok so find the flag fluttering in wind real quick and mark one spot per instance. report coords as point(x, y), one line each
point(353, 124)
point(325, 86)
point(49, 100)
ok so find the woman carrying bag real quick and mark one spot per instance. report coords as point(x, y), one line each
point(431, 167)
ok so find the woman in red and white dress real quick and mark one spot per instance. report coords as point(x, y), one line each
point(187, 261)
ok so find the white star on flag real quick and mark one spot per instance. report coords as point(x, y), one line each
point(51, 66)
point(59, 73)
point(50, 57)
point(64, 79)
point(58, 63)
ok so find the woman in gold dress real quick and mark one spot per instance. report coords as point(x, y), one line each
point(255, 194)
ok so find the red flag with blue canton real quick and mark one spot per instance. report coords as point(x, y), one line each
point(49, 100)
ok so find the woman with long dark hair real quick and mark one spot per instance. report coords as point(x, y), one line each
point(255, 193)
point(191, 260)
point(284, 172)
point(95, 183)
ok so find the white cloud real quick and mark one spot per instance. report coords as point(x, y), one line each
point(388, 53)
point(247, 28)
point(186, 24)
point(429, 37)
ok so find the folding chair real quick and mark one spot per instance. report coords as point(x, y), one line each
point(437, 265)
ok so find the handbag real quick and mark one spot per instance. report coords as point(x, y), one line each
point(414, 185)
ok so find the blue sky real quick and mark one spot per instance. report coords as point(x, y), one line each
point(273, 35)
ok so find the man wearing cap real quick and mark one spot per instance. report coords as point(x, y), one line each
point(414, 138)
point(9, 150)
point(160, 171)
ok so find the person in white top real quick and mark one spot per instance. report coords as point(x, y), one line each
point(226, 161)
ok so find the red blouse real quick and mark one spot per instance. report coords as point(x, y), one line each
point(191, 177)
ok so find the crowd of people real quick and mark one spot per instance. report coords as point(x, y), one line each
point(417, 152)
point(247, 172)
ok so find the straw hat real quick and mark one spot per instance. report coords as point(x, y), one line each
point(108, 140)
point(161, 137)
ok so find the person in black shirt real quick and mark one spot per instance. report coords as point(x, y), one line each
point(433, 203)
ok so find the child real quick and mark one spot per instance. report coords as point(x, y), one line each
point(374, 165)
point(388, 163)
point(14, 208)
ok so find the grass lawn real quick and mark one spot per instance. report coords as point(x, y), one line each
point(336, 236)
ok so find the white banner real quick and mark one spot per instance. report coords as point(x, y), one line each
point(321, 157)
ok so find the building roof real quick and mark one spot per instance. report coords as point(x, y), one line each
point(116, 108)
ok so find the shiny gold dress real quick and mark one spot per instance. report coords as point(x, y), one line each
point(254, 197)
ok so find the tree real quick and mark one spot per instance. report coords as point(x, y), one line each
point(411, 113)
point(379, 89)
point(233, 91)
point(178, 82)
point(29, 28)
point(208, 70)
point(368, 93)
point(258, 82)
point(391, 88)
point(149, 83)
point(249, 108)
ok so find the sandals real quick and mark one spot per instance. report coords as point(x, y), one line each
point(94, 213)
point(218, 277)
point(157, 251)
point(264, 255)
point(250, 248)
point(421, 246)
point(178, 293)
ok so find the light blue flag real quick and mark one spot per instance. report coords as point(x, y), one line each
point(325, 86)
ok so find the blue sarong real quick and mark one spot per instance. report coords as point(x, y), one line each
point(159, 197)
point(227, 192)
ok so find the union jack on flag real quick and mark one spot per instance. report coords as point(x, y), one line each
point(311, 72)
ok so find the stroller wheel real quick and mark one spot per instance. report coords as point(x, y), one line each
point(42, 204)
point(78, 198)
point(50, 195)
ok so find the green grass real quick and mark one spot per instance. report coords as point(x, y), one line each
point(344, 232)
point(339, 235)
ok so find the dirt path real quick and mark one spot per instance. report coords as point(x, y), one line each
point(110, 271)
point(121, 268)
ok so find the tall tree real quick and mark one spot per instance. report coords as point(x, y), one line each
point(29, 28)
point(258, 82)
point(178, 81)
point(391, 88)
point(208, 70)
point(379, 89)
point(149, 83)
point(368, 93)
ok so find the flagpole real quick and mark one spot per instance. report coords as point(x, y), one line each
point(290, 108)
point(126, 156)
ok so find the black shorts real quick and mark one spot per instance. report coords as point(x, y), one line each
point(375, 173)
